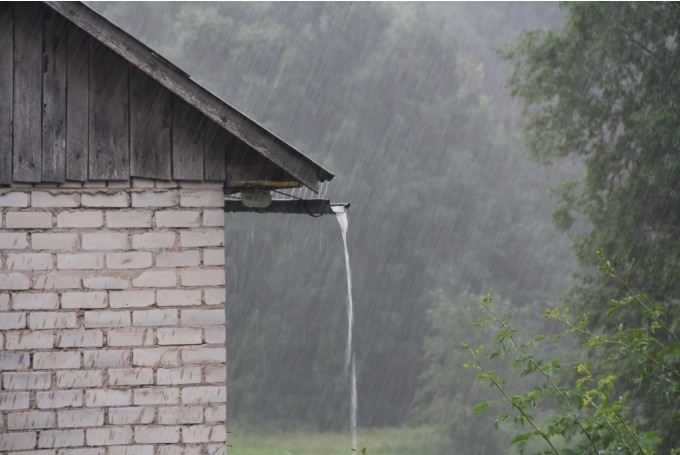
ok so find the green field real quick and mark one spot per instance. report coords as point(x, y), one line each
point(388, 441)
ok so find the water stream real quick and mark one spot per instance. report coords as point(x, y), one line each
point(341, 215)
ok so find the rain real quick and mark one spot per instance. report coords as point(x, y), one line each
point(408, 105)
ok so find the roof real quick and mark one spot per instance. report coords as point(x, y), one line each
point(269, 146)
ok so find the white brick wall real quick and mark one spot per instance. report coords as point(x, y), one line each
point(112, 319)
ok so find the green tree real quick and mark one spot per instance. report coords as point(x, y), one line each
point(605, 91)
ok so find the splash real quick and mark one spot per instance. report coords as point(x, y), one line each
point(341, 215)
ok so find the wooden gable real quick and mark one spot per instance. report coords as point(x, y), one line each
point(72, 109)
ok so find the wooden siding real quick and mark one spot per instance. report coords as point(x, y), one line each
point(73, 110)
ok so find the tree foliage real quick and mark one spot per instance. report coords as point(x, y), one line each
point(604, 90)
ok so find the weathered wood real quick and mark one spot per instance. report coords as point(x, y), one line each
point(261, 174)
point(150, 132)
point(217, 144)
point(6, 89)
point(27, 92)
point(77, 104)
point(109, 155)
point(187, 141)
point(263, 142)
point(54, 98)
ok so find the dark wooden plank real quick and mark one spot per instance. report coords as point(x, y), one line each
point(263, 142)
point(109, 154)
point(313, 207)
point(77, 104)
point(217, 144)
point(6, 89)
point(27, 92)
point(150, 133)
point(187, 141)
point(55, 39)
point(262, 174)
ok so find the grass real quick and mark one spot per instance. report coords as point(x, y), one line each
point(385, 441)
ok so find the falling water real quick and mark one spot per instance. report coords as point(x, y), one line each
point(341, 215)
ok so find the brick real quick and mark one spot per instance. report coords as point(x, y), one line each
point(128, 218)
point(99, 398)
point(153, 240)
point(213, 218)
point(80, 338)
point(155, 357)
point(130, 376)
point(12, 320)
point(154, 318)
point(185, 450)
point(105, 241)
point(81, 219)
point(201, 238)
point(57, 280)
point(100, 319)
point(27, 381)
point(84, 451)
point(17, 441)
point(205, 394)
point(56, 360)
point(93, 184)
point(28, 220)
point(14, 199)
point(14, 282)
point(30, 261)
point(178, 297)
point(155, 198)
point(32, 420)
point(129, 260)
point(59, 399)
point(155, 279)
point(131, 299)
point(197, 185)
point(16, 360)
point(83, 300)
point(131, 416)
point(215, 335)
point(130, 337)
point(79, 418)
point(216, 374)
point(13, 241)
point(204, 433)
point(14, 400)
point(139, 182)
point(184, 375)
point(29, 340)
point(157, 434)
point(156, 395)
point(213, 256)
point(77, 379)
point(106, 282)
point(215, 413)
point(179, 336)
point(80, 261)
point(202, 317)
point(54, 242)
point(178, 258)
point(202, 277)
point(61, 438)
point(201, 198)
point(173, 415)
point(35, 301)
point(203, 355)
point(52, 320)
point(166, 184)
point(112, 358)
point(45, 199)
point(108, 436)
point(178, 218)
point(4, 302)
point(100, 199)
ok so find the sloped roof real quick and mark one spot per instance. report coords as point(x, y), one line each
point(301, 167)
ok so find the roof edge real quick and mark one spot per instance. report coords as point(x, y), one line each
point(300, 166)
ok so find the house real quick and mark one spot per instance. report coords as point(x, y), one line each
point(114, 165)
